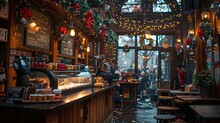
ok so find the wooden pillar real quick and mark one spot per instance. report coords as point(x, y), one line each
point(199, 52)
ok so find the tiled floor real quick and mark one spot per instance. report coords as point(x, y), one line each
point(142, 113)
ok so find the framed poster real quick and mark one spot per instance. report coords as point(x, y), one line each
point(3, 35)
point(38, 31)
point(4, 12)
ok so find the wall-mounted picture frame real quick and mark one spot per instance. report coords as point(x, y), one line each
point(4, 12)
point(3, 34)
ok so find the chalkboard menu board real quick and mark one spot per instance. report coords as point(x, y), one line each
point(67, 45)
point(38, 35)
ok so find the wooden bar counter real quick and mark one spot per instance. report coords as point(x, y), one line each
point(92, 105)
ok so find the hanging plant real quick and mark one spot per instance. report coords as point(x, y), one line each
point(23, 13)
point(126, 48)
point(2, 3)
point(146, 43)
point(205, 30)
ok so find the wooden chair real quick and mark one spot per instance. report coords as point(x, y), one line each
point(165, 101)
point(167, 109)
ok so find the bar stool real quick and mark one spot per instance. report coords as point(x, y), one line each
point(169, 109)
point(164, 118)
point(165, 100)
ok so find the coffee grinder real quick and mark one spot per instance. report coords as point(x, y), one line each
point(22, 70)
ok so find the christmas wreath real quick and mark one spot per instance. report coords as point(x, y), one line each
point(126, 48)
point(23, 12)
point(146, 43)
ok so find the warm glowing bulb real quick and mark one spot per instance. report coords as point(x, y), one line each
point(191, 31)
point(205, 16)
point(88, 49)
point(72, 32)
point(147, 35)
point(178, 40)
point(33, 24)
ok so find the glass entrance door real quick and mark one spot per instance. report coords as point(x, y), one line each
point(156, 66)
point(164, 69)
point(148, 71)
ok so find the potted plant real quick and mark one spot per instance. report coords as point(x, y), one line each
point(205, 80)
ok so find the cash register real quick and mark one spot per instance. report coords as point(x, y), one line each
point(22, 70)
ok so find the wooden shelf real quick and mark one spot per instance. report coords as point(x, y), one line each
point(65, 56)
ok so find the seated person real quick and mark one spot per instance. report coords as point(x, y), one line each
point(131, 73)
point(104, 71)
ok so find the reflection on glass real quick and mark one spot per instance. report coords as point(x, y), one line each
point(165, 70)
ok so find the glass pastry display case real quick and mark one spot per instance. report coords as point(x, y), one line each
point(68, 81)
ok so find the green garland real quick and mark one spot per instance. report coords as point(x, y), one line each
point(110, 36)
point(98, 23)
point(80, 13)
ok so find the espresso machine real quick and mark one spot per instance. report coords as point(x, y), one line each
point(22, 70)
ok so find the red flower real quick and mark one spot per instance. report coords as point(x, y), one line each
point(88, 19)
point(188, 41)
point(201, 33)
point(103, 32)
point(76, 6)
point(26, 13)
point(63, 30)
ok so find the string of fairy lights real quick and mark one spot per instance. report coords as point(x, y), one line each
point(141, 26)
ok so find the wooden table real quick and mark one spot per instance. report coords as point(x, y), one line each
point(129, 92)
point(195, 99)
point(206, 113)
point(179, 92)
point(192, 99)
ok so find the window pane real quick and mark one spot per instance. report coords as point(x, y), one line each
point(161, 6)
point(165, 38)
point(126, 59)
point(132, 6)
point(125, 39)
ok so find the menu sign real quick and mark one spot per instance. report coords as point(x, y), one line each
point(67, 46)
point(38, 34)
